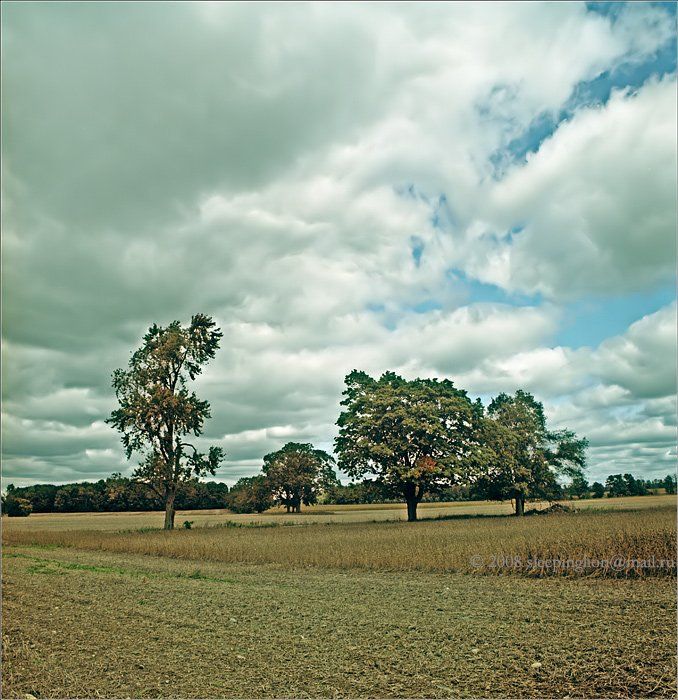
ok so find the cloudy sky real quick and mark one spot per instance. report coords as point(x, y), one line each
point(475, 191)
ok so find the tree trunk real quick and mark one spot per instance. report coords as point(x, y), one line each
point(520, 504)
point(295, 502)
point(169, 511)
point(411, 509)
point(413, 495)
point(412, 501)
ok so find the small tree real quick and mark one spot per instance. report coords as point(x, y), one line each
point(157, 411)
point(251, 494)
point(579, 486)
point(414, 436)
point(298, 473)
point(636, 487)
point(617, 486)
point(524, 456)
point(670, 484)
point(597, 490)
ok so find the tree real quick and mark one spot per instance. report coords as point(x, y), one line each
point(251, 494)
point(579, 486)
point(525, 458)
point(414, 436)
point(16, 507)
point(157, 411)
point(366, 491)
point(597, 490)
point(670, 484)
point(636, 487)
point(298, 473)
point(616, 486)
point(77, 498)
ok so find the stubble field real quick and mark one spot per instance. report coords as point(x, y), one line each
point(343, 609)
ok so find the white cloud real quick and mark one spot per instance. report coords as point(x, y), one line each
point(642, 361)
point(598, 202)
point(277, 167)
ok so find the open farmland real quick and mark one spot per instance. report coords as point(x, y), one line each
point(319, 513)
point(461, 544)
point(315, 610)
point(283, 283)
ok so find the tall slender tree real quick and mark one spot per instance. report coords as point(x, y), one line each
point(157, 412)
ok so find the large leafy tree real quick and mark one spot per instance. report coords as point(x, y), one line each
point(414, 436)
point(523, 457)
point(158, 412)
point(298, 473)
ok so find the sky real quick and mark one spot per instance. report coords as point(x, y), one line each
point(483, 192)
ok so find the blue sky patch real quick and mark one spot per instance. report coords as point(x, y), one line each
point(590, 321)
point(614, 9)
point(417, 245)
point(589, 93)
point(426, 306)
point(483, 292)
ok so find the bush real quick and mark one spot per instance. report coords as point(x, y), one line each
point(17, 507)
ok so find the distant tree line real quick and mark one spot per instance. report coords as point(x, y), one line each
point(619, 485)
point(115, 494)
point(254, 494)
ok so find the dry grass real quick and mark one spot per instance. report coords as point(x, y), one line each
point(606, 543)
point(200, 518)
point(95, 624)
point(320, 514)
point(243, 609)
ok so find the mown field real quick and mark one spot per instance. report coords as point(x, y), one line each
point(343, 609)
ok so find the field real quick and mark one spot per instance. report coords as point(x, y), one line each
point(320, 514)
point(345, 602)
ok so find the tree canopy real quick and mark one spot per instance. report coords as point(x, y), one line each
point(414, 436)
point(297, 473)
point(524, 458)
point(251, 494)
point(16, 507)
point(157, 411)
